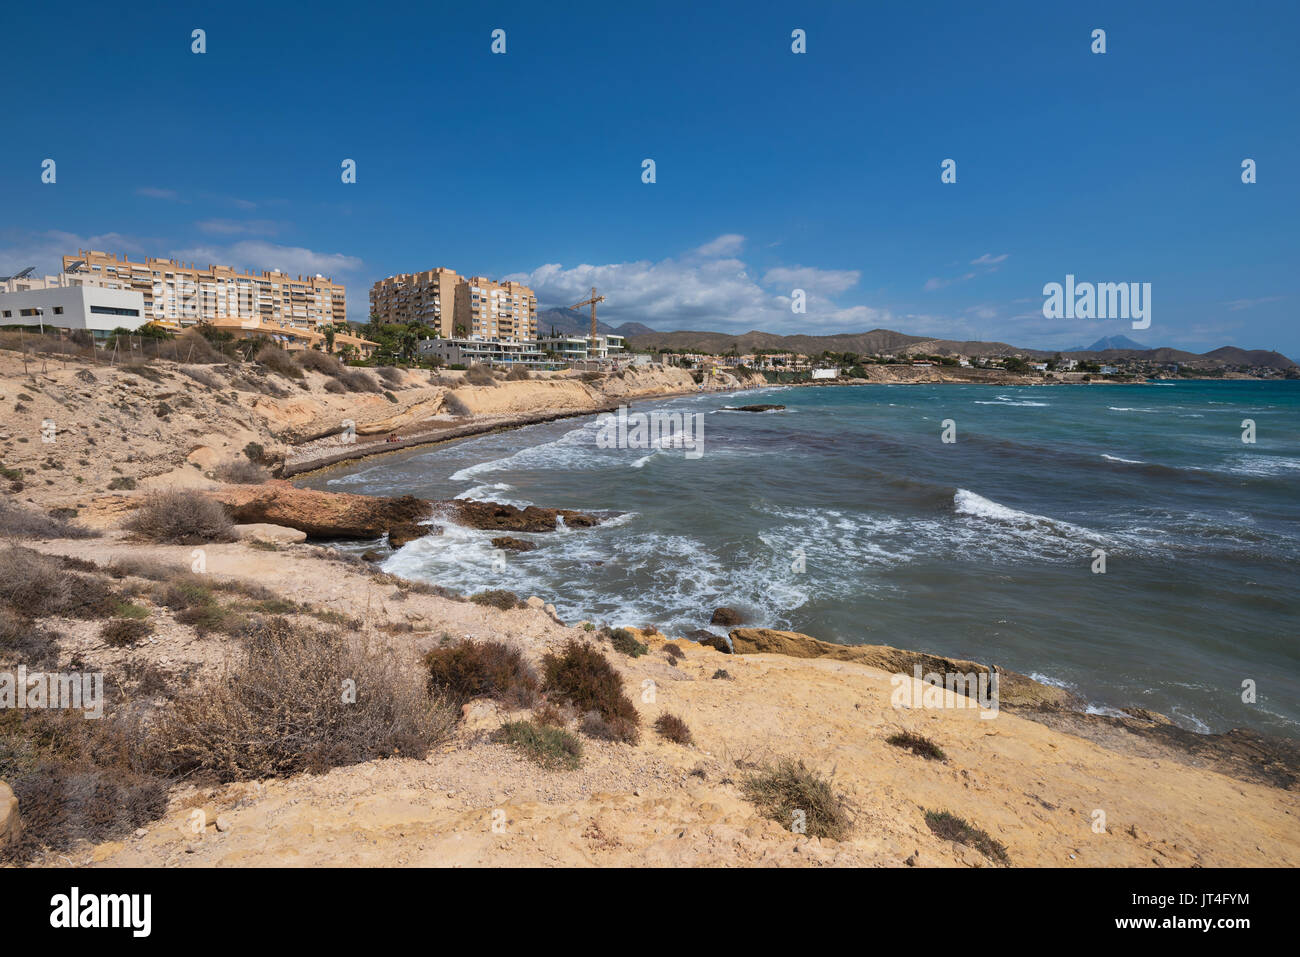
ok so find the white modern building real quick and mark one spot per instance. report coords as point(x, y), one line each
point(580, 348)
point(94, 309)
point(486, 351)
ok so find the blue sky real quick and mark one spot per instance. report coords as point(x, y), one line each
point(775, 171)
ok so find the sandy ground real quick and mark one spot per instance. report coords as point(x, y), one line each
point(1035, 789)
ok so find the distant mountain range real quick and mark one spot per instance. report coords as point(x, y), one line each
point(577, 322)
point(1110, 342)
point(898, 343)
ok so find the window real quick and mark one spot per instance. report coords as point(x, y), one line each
point(58, 310)
point(114, 311)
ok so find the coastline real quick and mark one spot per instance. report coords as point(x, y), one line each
point(1032, 776)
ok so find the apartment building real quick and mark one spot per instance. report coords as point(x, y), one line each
point(427, 297)
point(178, 294)
point(457, 306)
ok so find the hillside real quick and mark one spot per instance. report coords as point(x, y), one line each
point(888, 341)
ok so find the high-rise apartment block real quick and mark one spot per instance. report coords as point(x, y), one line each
point(180, 294)
point(457, 306)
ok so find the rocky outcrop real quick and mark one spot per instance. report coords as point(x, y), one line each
point(10, 826)
point(321, 514)
point(402, 519)
point(511, 544)
point(754, 408)
point(726, 617)
point(492, 516)
point(1014, 689)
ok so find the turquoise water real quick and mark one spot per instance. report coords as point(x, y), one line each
point(846, 517)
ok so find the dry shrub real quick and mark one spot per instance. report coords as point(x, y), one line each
point(950, 827)
point(316, 361)
point(583, 677)
point(203, 377)
point(917, 744)
point(391, 376)
point(241, 472)
point(518, 374)
point(479, 374)
point(358, 381)
point(335, 386)
point(22, 641)
point(498, 598)
point(131, 566)
point(180, 517)
point(19, 521)
point(190, 346)
point(75, 780)
point(473, 669)
point(123, 632)
point(778, 790)
point(278, 360)
point(39, 586)
point(454, 404)
point(674, 652)
point(674, 729)
point(281, 709)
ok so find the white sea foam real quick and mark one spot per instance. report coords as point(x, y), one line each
point(1124, 408)
point(1116, 458)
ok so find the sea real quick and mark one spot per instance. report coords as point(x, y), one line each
point(1122, 541)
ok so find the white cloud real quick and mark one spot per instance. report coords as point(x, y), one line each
point(232, 227)
point(45, 250)
point(988, 259)
point(719, 294)
point(1236, 305)
point(154, 192)
point(728, 244)
point(826, 281)
point(259, 255)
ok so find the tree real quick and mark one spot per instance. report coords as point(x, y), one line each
point(329, 339)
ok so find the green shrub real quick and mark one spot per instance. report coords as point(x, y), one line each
point(546, 744)
point(623, 641)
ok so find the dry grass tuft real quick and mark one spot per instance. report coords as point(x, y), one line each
point(950, 827)
point(781, 789)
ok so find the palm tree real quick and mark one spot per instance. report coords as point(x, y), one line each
point(329, 339)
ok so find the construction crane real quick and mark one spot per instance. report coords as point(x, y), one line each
point(591, 302)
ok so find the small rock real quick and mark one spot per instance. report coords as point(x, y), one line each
point(224, 823)
point(535, 602)
point(726, 616)
point(10, 825)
